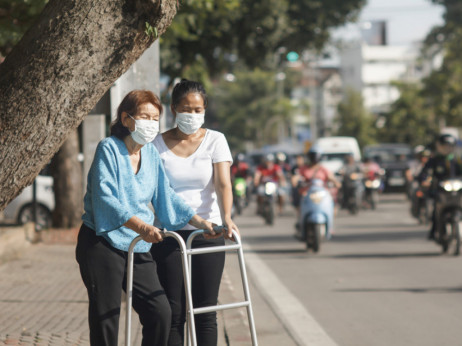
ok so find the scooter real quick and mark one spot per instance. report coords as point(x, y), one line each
point(352, 192)
point(372, 185)
point(316, 215)
point(239, 194)
point(267, 193)
point(449, 215)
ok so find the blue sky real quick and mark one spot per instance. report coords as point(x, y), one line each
point(408, 21)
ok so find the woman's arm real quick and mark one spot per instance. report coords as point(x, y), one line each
point(223, 188)
point(149, 233)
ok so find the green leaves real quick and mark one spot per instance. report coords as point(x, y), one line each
point(151, 31)
point(249, 30)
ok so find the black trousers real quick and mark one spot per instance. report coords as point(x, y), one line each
point(103, 270)
point(207, 270)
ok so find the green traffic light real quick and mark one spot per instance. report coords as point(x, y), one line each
point(292, 56)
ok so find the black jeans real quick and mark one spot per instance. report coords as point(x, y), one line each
point(207, 270)
point(103, 270)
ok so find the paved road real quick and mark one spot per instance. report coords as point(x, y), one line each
point(377, 282)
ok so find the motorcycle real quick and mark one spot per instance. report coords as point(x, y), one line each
point(372, 185)
point(316, 215)
point(420, 204)
point(449, 215)
point(267, 193)
point(352, 192)
point(239, 194)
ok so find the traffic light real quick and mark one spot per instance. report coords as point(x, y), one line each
point(292, 56)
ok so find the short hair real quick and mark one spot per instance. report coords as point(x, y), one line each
point(185, 87)
point(130, 104)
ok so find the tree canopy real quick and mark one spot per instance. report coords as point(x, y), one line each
point(436, 101)
point(213, 35)
point(354, 120)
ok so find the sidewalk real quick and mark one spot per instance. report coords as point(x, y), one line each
point(43, 301)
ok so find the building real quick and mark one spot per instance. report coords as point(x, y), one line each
point(372, 69)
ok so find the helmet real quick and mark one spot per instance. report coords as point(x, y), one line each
point(419, 149)
point(281, 157)
point(269, 158)
point(314, 154)
point(240, 157)
point(446, 138)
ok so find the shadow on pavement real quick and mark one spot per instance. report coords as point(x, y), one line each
point(387, 255)
point(280, 251)
point(379, 236)
point(404, 289)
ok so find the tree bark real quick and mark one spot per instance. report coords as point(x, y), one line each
point(68, 190)
point(59, 70)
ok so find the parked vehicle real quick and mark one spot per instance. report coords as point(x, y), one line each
point(239, 194)
point(394, 159)
point(449, 215)
point(316, 216)
point(20, 209)
point(335, 149)
point(268, 193)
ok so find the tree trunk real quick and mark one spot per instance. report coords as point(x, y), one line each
point(59, 70)
point(67, 174)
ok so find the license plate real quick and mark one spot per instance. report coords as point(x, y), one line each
point(396, 181)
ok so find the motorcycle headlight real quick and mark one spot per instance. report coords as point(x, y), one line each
point(317, 197)
point(240, 187)
point(270, 188)
point(451, 185)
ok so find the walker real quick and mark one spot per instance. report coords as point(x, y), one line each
point(186, 254)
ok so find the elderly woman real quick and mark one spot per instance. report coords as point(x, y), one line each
point(125, 177)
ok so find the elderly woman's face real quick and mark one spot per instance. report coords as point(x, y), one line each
point(146, 111)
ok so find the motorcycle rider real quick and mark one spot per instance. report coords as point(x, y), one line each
point(421, 155)
point(314, 170)
point(443, 165)
point(270, 171)
point(241, 169)
point(294, 179)
point(370, 168)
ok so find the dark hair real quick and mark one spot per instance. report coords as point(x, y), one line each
point(130, 104)
point(185, 87)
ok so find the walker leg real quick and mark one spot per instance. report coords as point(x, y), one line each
point(247, 302)
point(129, 291)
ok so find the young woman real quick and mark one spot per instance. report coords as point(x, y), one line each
point(197, 162)
point(126, 175)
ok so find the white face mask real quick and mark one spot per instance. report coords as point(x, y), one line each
point(145, 130)
point(189, 123)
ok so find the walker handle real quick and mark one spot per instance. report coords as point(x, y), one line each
point(217, 229)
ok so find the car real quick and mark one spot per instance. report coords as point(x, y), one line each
point(20, 209)
point(394, 158)
point(335, 149)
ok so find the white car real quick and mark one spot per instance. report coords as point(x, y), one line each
point(20, 209)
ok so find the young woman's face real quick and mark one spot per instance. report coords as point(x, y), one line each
point(191, 103)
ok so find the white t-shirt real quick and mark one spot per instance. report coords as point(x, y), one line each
point(192, 177)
